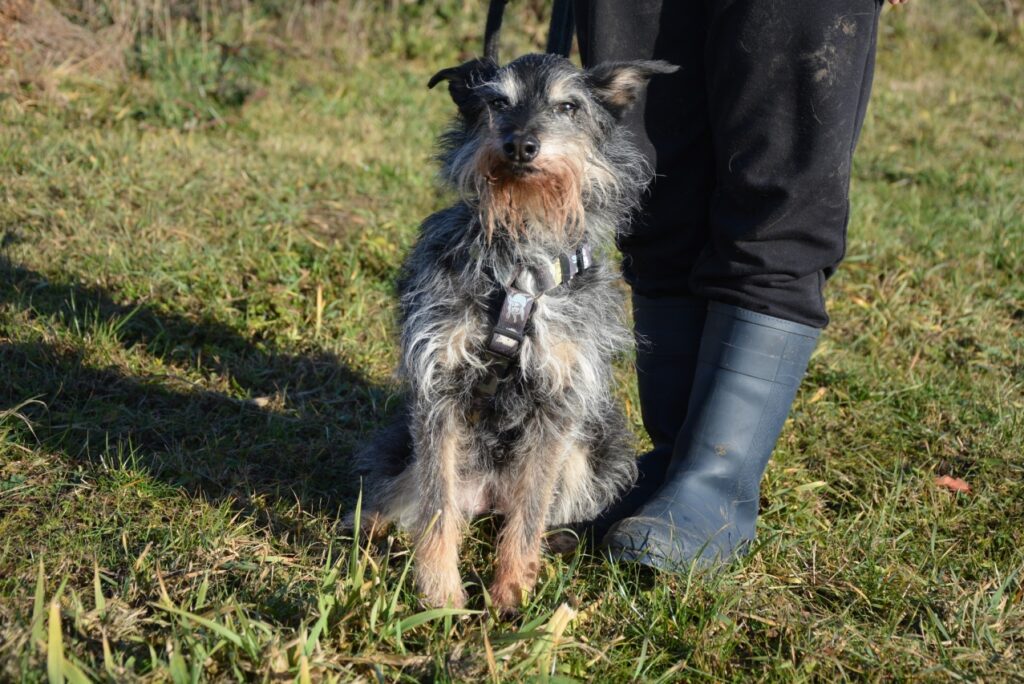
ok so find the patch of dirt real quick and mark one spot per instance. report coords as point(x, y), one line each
point(38, 44)
point(335, 222)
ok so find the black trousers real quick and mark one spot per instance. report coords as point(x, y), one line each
point(751, 140)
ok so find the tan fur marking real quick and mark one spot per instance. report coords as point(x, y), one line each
point(551, 196)
point(559, 90)
point(622, 89)
point(517, 566)
point(564, 359)
point(437, 570)
point(437, 549)
point(519, 544)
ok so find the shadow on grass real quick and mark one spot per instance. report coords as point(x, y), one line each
point(292, 439)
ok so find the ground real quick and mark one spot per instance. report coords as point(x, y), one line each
point(198, 256)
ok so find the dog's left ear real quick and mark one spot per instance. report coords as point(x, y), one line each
point(461, 80)
point(617, 85)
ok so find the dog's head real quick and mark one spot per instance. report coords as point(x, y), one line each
point(536, 141)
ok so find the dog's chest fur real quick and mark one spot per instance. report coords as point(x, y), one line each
point(450, 293)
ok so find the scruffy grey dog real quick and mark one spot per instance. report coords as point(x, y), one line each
point(509, 324)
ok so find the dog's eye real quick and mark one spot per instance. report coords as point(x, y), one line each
point(498, 102)
point(566, 107)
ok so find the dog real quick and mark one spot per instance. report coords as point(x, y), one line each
point(510, 321)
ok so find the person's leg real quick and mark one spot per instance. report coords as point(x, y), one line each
point(660, 247)
point(787, 89)
point(671, 127)
point(788, 86)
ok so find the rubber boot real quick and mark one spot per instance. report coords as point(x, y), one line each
point(749, 368)
point(668, 332)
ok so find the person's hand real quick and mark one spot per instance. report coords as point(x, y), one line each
point(898, 2)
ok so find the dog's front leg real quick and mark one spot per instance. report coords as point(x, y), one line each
point(439, 441)
point(526, 506)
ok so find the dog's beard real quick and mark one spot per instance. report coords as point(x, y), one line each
point(548, 196)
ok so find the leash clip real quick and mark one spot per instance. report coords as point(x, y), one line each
point(510, 329)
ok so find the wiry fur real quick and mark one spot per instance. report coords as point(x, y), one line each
point(551, 447)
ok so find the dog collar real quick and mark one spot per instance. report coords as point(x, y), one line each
point(529, 285)
point(518, 302)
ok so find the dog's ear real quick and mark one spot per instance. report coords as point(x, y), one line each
point(461, 80)
point(618, 85)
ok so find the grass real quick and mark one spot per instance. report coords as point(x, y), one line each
point(196, 330)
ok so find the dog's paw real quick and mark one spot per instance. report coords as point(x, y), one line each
point(562, 542)
point(508, 596)
point(456, 599)
point(442, 590)
point(372, 526)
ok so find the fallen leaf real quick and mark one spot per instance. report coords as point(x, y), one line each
point(954, 484)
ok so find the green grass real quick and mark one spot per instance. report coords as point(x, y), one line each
point(196, 330)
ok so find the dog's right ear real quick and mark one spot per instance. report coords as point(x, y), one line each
point(461, 81)
point(618, 85)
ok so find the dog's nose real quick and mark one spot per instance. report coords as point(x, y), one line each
point(521, 147)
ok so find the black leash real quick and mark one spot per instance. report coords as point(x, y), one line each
point(492, 29)
point(562, 27)
point(560, 32)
